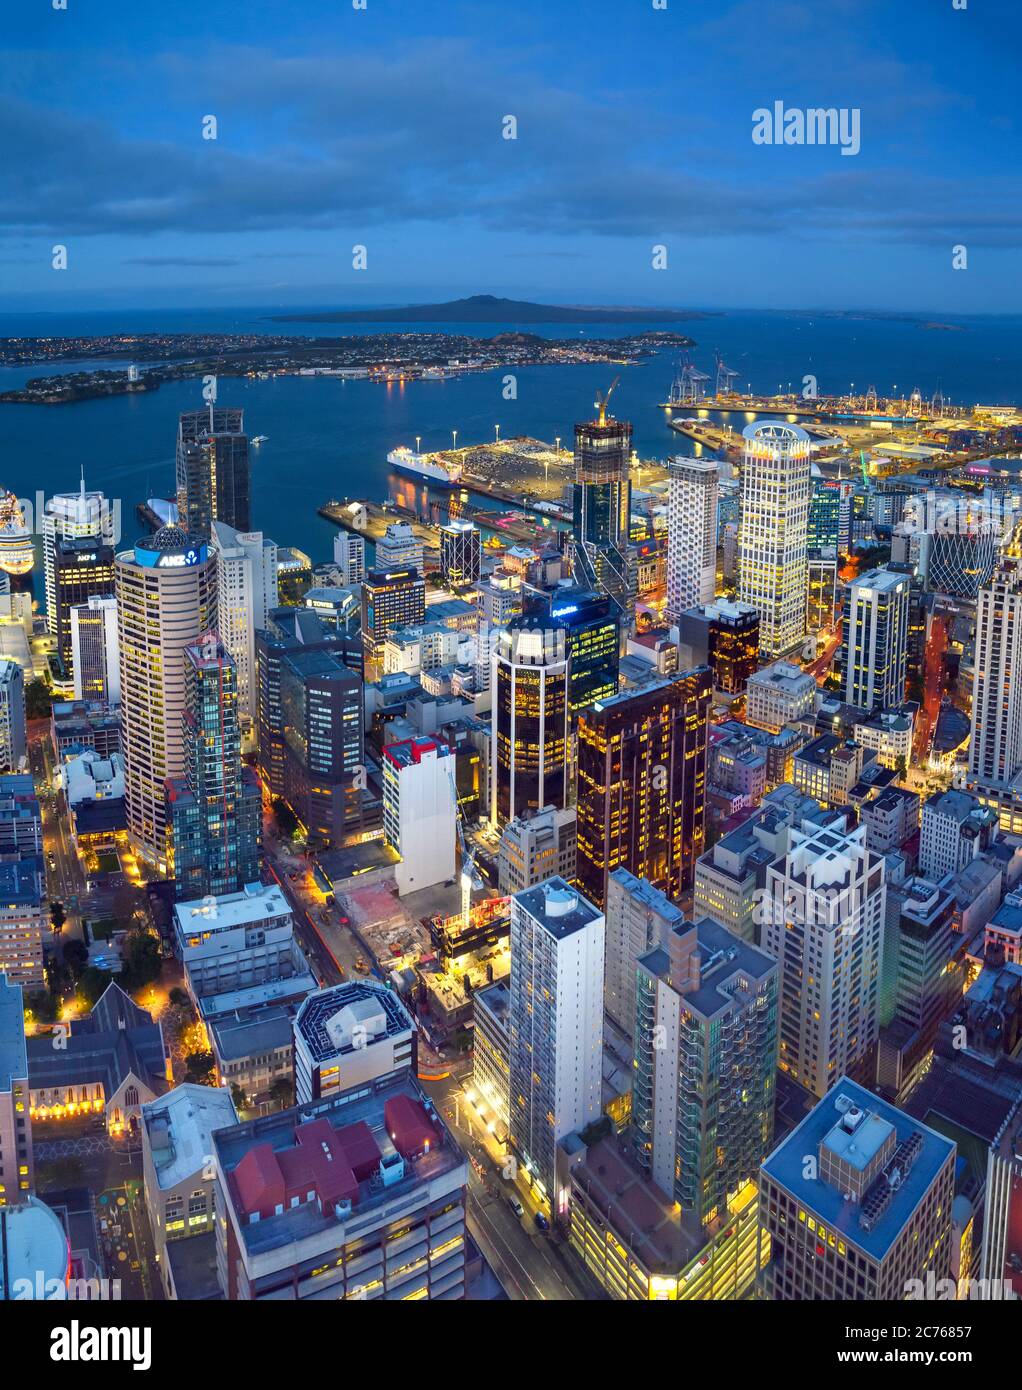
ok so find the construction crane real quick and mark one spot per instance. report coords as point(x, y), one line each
point(470, 877)
point(601, 401)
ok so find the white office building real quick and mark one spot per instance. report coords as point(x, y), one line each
point(95, 651)
point(778, 695)
point(246, 574)
point(773, 567)
point(420, 811)
point(13, 736)
point(399, 548)
point(691, 534)
point(822, 917)
point(556, 1025)
point(237, 942)
point(875, 634)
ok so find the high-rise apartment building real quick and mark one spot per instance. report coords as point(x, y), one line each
point(995, 750)
point(705, 1064)
point(875, 640)
point(641, 784)
point(460, 553)
point(856, 1202)
point(602, 508)
point(420, 811)
point(16, 1165)
point(246, 581)
point(823, 920)
point(214, 810)
point(95, 654)
point(166, 599)
point(639, 919)
point(83, 568)
point(772, 562)
point(350, 557)
point(556, 1024)
point(213, 481)
point(70, 515)
point(691, 534)
point(530, 727)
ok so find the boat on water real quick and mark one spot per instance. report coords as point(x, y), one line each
point(429, 467)
point(260, 439)
point(17, 555)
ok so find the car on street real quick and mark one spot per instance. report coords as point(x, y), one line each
point(542, 1224)
point(516, 1206)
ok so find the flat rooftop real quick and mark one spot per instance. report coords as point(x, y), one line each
point(180, 1126)
point(786, 1165)
point(256, 902)
point(326, 1018)
point(558, 907)
point(13, 1052)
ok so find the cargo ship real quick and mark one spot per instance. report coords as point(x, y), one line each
point(429, 467)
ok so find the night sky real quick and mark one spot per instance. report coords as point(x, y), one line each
point(383, 127)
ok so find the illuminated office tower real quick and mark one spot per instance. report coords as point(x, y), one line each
point(246, 583)
point(83, 568)
point(724, 636)
point(602, 507)
point(772, 561)
point(875, 638)
point(705, 1043)
point(70, 516)
point(166, 599)
point(390, 599)
point(460, 553)
point(641, 784)
point(691, 534)
point(350, 557)
point(995, 752)
point(399, 548)
point(592, 626)
point(16, 1166)
point(95, 659)
point(214, 810)
point(856, 1203)
point(555, 1024)
point(529, 740)
point(213, 482)
point(823, 919)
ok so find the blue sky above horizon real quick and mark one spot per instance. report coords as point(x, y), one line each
point(383, 127)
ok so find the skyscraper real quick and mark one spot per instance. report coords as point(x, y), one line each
point(529, 741)
point(16, 1166)
point(214, 810)
point(83, 568)
point(995, 752)
point(420, 811)
point(875, 638)
point(642, 784)
point(602, 507)
point(639, 919)
point(592, 627)
point(460, 553)
point(772, 562)
point(823, 919)
point(95, 659)
point(246, 582)
point(166, 599)
point(555, 1024)
point(13, 733)
point(705, 1064)
point(390, 599)
point(213, 482)
point(74, 514)
point(350, 557)
point(691, 534)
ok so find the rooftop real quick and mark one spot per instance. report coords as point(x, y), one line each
point(256, 902)
point(881, 1123)
point(13, 1054)
point(180, 1126)
point(347, 1016)
point(557, 907)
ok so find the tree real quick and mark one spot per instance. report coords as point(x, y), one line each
point(239, 1097)
point(42, 1006)
point(38, 700)
point(93, 984)
point(58, 915)
point(282, 1092)
point(76, 958)
point(178, 996)
point(200, 1068)
point(142, 960)
point(901, 766)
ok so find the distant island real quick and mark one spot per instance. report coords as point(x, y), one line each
point(488, 308)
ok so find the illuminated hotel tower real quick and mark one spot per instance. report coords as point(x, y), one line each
point(166, 599)
point(773, 570)
point(691, 534)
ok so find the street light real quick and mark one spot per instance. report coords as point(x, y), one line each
point(454, 435)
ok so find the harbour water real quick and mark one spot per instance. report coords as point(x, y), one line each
point(328, 438)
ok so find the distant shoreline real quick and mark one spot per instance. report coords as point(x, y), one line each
point(484, 308)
